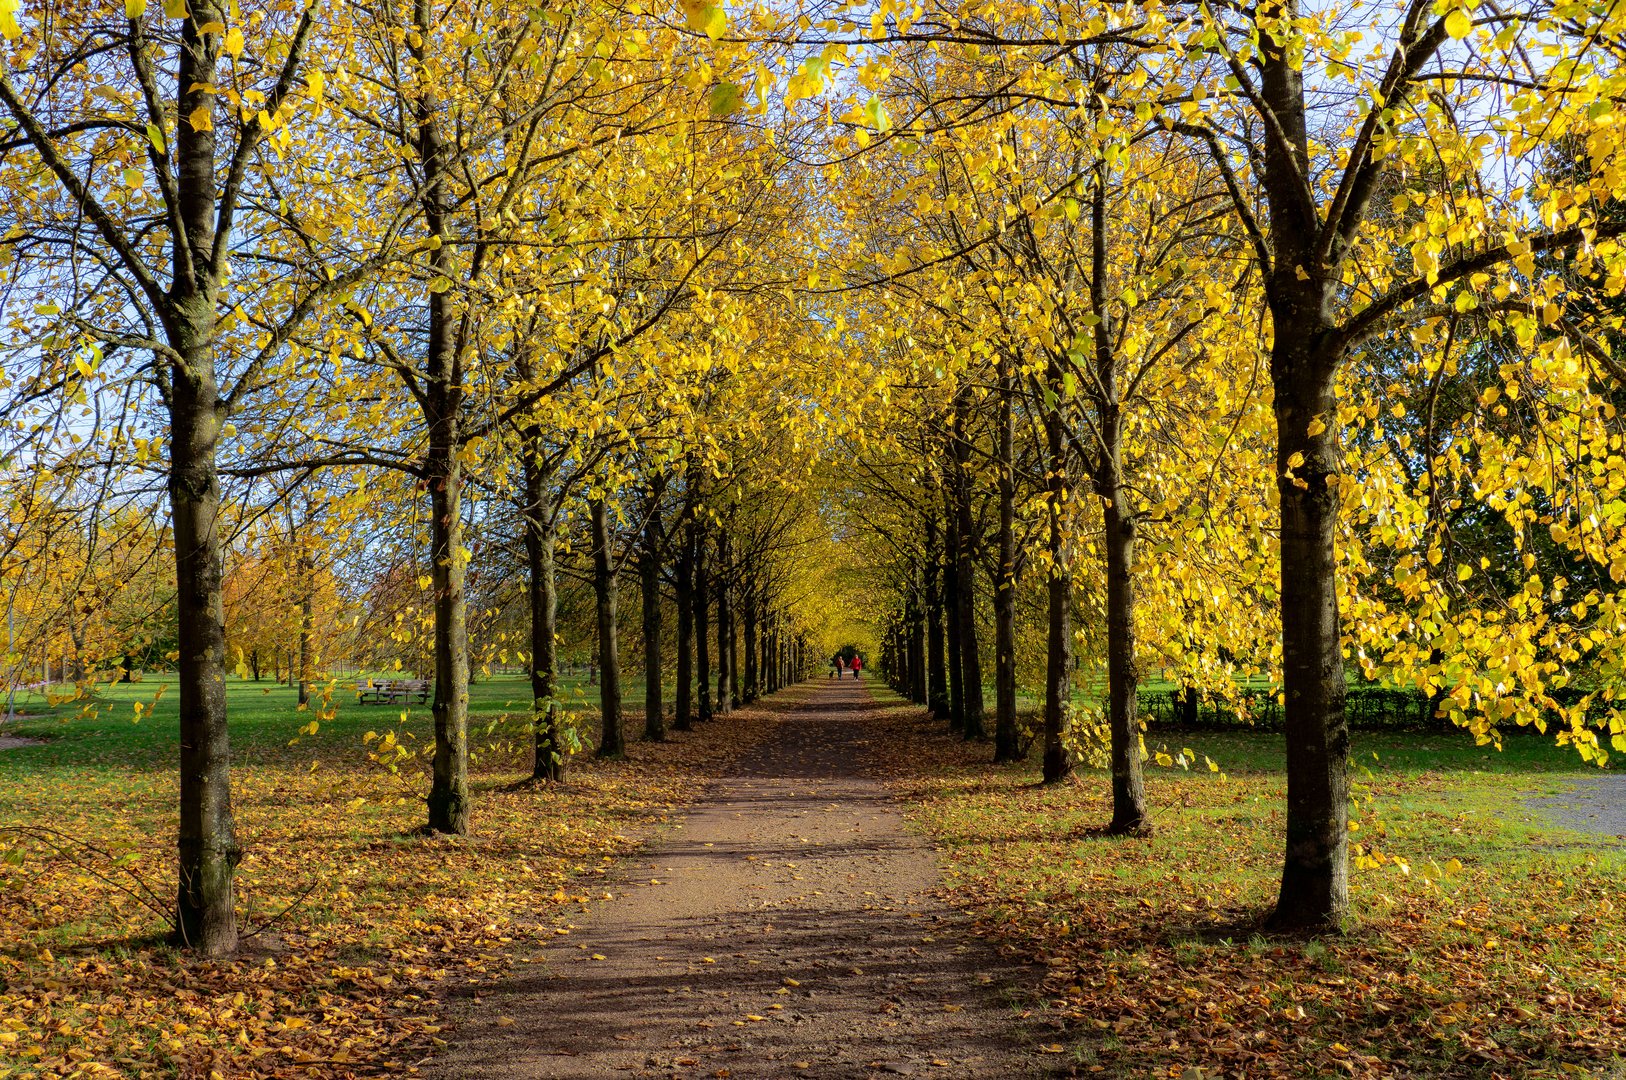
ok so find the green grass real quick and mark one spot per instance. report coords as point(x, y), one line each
point(264, 716)
point(366, 919)
point(1487, 940)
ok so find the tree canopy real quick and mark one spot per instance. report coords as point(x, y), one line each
point(1033, 351)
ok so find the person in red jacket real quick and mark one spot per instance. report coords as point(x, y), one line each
point(857, 665)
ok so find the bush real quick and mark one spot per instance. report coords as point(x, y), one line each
point(1369, 706)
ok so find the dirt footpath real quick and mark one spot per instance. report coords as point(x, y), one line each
point(786, 928)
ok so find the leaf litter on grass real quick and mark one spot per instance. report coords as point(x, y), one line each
point(1510, 964)
point(350, 979)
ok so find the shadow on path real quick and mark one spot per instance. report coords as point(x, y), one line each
point(786, 928)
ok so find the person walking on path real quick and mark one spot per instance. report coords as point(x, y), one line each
point(857, 664)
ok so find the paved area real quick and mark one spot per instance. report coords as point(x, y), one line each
point(787, 928)
point(1594, 804)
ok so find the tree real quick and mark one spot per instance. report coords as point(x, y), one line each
point(1332, 281)
point(161, 213)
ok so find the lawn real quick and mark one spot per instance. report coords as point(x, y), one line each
point(1486, 941)
point(359, 923)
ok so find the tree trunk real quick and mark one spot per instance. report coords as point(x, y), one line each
point(612, 739)
point(649, 568)
point(254, 663)
point(449, 800)
point(751, 651)
point(937, 691)
point(449, 797)
point(702, 627)
point(1123, 679)
point(206, 913)
point(1303, 363)
point(307, 570)
point(733, 647)
point(542, 592)
point(1129, 813)
point(1315, 873)
point(1005, 739)
point(1058, 763)
point(917, 648)
point(951, 614)
point(770, 651)
point(725, 630)
point(683, 704)
point(974, 716)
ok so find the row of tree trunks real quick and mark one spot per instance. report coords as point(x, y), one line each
point(696, 590)
point(770, 659)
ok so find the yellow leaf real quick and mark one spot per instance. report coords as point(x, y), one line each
point(9, 27)
point(202, 118)
point(1458, 24)
point(176, 9)
point(134, 9)
point(709, 19)
point(234, 42)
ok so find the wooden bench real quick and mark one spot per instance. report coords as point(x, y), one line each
point(392, 691)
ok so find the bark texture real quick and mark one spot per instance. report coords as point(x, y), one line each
point(1058, 764)
point(542, 594)
point(612, 737)
point(702, 628)
point(1006, 744)
point(649, 574)
point(1304, 359)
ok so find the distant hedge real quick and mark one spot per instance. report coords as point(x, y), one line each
point(1368, 707)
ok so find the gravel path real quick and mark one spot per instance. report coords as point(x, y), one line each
point(787, 928)
point(1594, 804)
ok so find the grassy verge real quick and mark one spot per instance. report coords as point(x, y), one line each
point(360, 923)
point(1486, 940)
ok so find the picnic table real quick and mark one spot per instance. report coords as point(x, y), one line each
point(392, 691)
